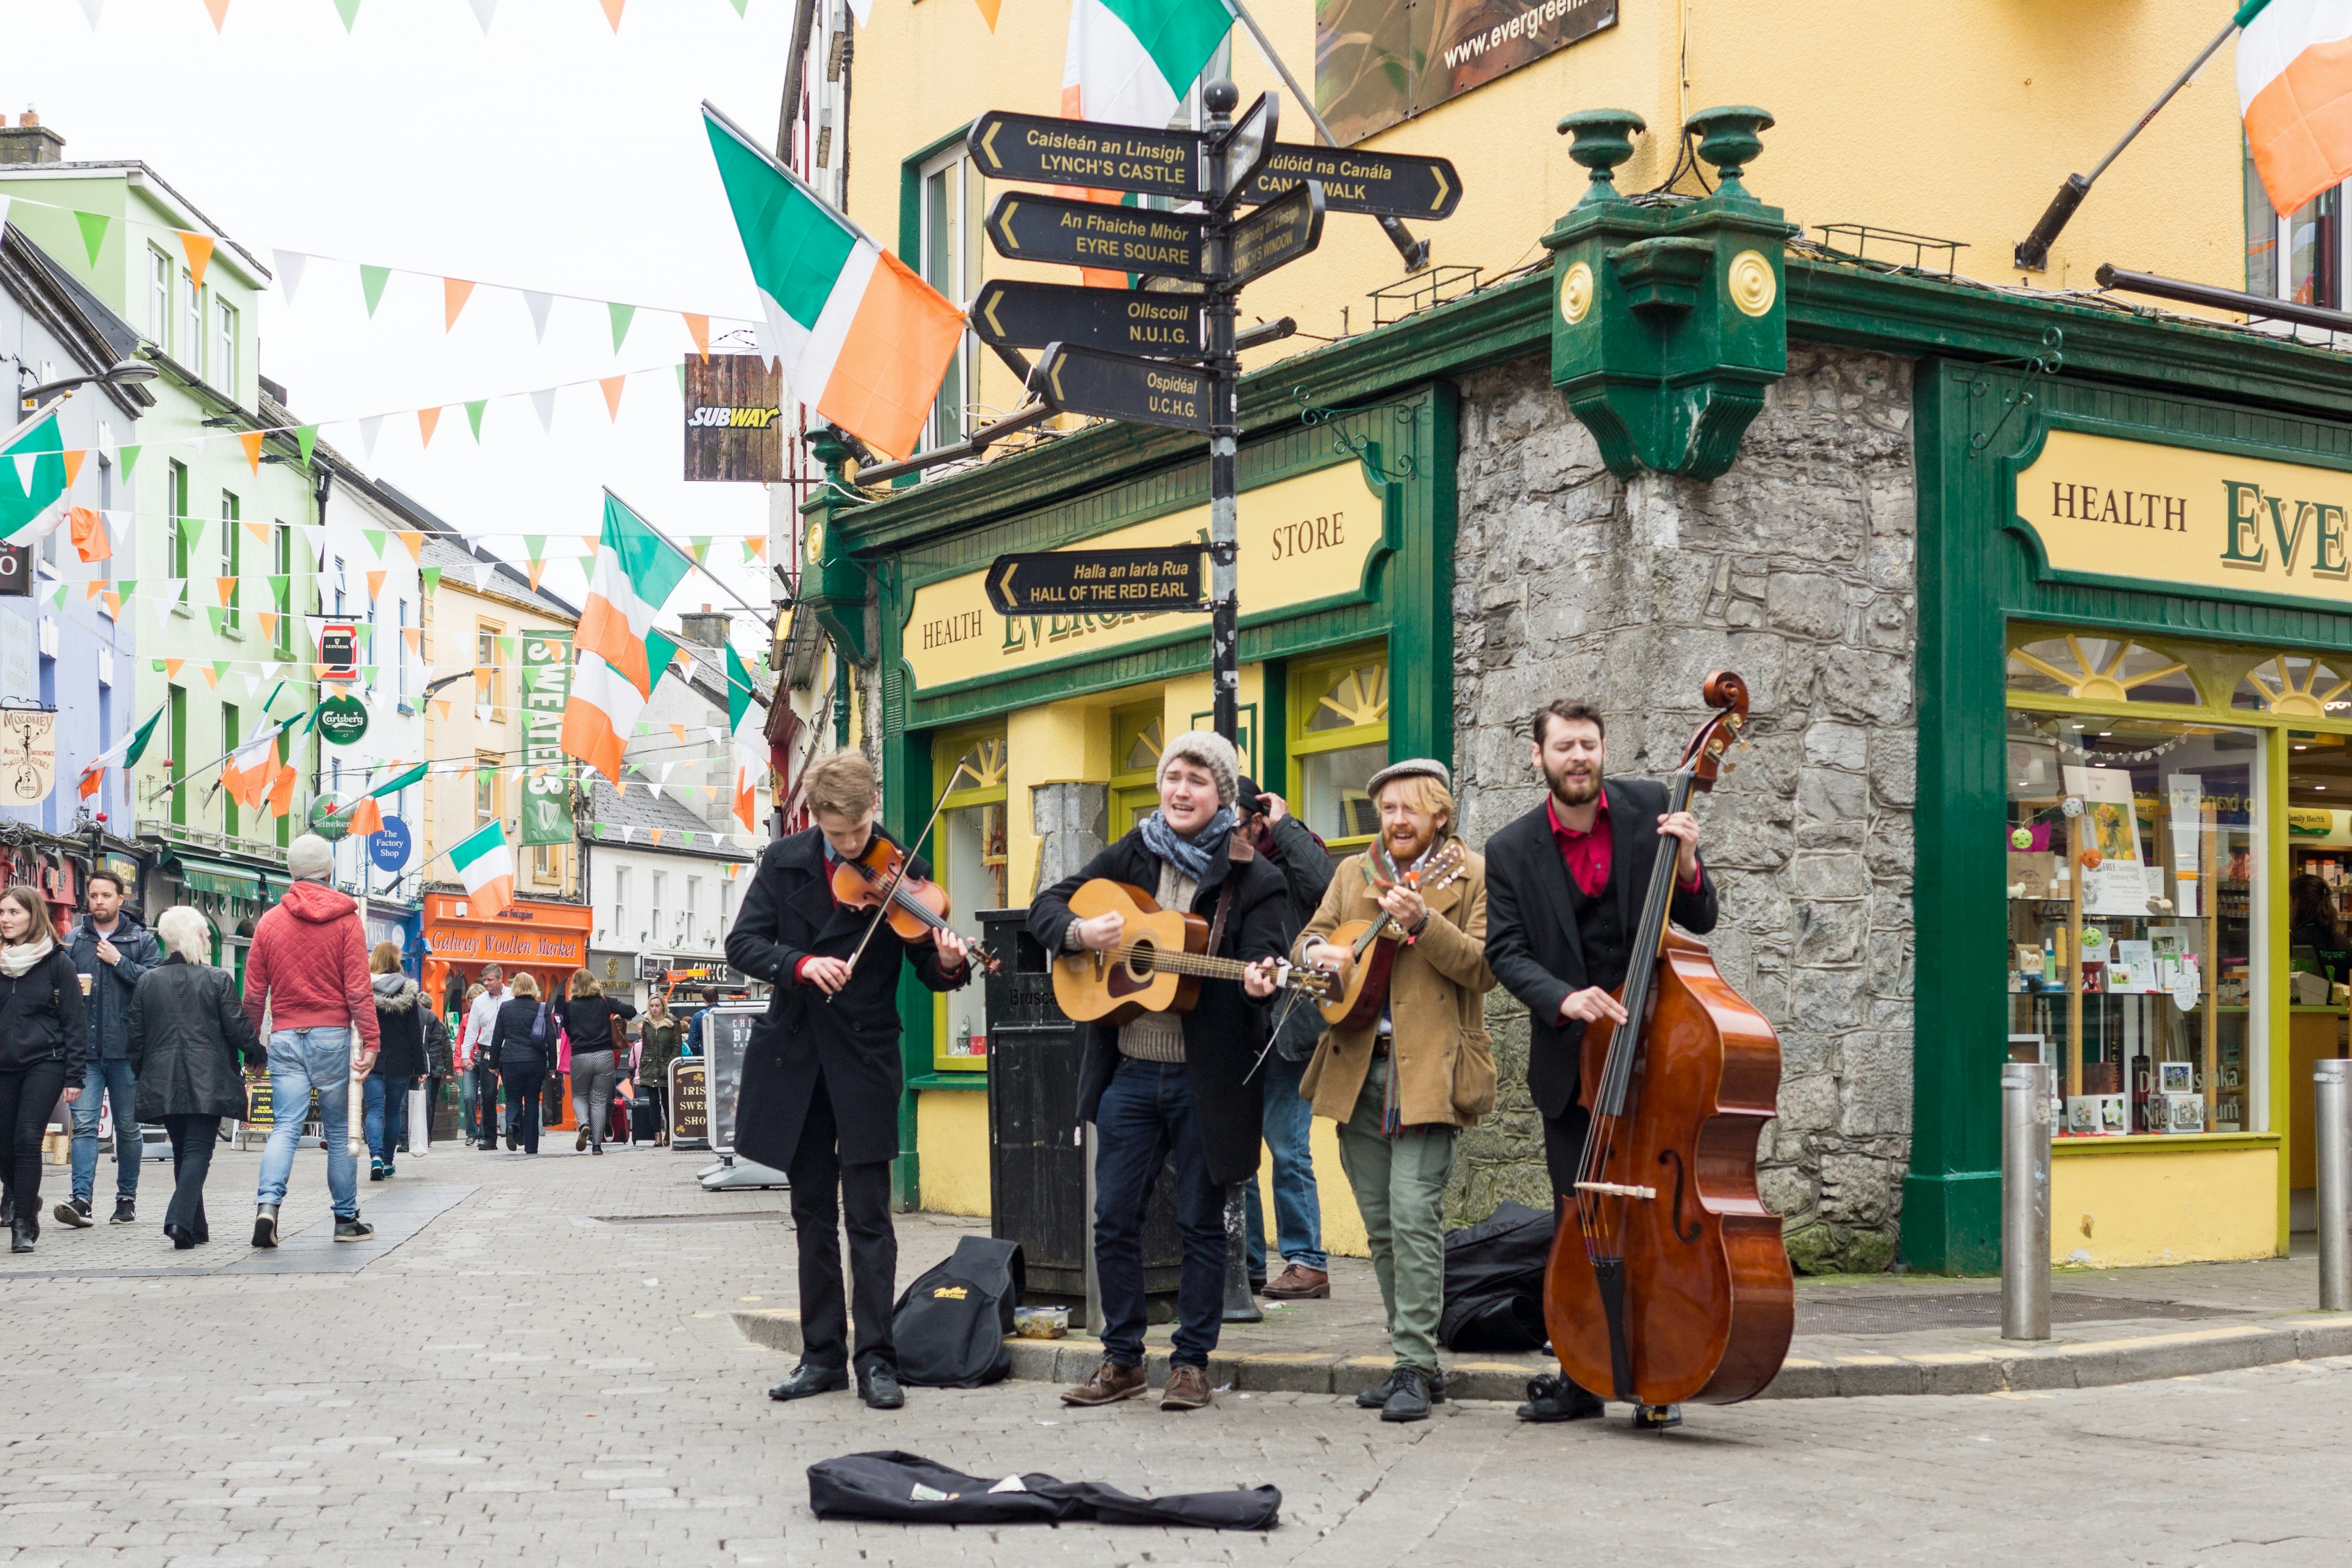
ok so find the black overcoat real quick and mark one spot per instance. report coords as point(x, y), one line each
point(787, 915)
point(1531, 939)
point(1225, 1035)
point(183, 1034)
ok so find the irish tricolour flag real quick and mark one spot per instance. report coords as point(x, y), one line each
point(858, 337)
point(2294, 88)
point(620, 654)
point(1131, 62)
point(34, 478)
point(486, 866)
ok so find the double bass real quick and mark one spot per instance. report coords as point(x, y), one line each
point(1673, 1285)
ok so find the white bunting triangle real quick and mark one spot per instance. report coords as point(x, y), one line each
point(91, 9)
point(483, 11)
point(290, 271)
point(482, 575)
point(539, 305)
point(544, 402)
point(24, 461)
point(368, 428)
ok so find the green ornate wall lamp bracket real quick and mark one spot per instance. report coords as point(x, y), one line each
point(1669, 320)
point(833, 586)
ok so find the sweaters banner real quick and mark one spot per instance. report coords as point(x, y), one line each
point(547, 771)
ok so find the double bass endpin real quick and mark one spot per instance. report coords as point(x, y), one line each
point(1616, 1190)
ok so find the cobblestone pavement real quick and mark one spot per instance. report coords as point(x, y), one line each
point(545, 1373)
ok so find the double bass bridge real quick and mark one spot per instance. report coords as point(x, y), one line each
point(1616, 1190)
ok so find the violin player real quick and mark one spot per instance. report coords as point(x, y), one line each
point(1564, 890)
point(823, 1077)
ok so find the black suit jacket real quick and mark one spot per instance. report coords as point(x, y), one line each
point(1531, 939)
point(788, 915)
point(1225, 1035)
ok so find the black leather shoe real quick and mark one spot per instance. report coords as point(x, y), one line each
point(807, 1380)
point(1376, 1396)
point(878, 1386)
point(1557, 1399)
point(22, 1234)
point(1410, 1397)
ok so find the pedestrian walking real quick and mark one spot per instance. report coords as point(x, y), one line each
point(482, 1019)
point(113, 951)
point(658, 1040)
point(189, 1042)
point(1299, 852)
point(400, 1017)
point(439, 1068)
point(306, 975)
point(43, 1048)
point(595, 1022)
point(1402, 1087)
point(522, 1042)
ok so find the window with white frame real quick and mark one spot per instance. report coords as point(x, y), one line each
point(192, 322)
point(693, 904)
point(223, 359)
point(952, 215)
point(159, 297)
point(232, 556)
point(2298, 256)
point(660, 932)
point(621, 902)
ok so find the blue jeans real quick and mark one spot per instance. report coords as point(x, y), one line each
point(1145, 1120)
point(1297, 1210)
point(385, 1121)
point(116, 1079)
point(300, 1061)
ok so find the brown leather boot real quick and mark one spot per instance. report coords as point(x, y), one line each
point(1297, 1284)
point(1188, 1389)
point(1110, 1384)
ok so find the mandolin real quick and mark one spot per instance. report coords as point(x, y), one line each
point(1371, 947)
point(1162, 957)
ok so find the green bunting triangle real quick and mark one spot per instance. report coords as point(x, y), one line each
point(306, 436)
point(474, 417)
point(349, 10)
point(223, 666)
point(681, 368)
point(218, 616)
point(622, 316)
point(739, 5)
point(191, 529)
point(125, 585)
point(534, 547)
point(375, 537)
point(698, 547)
point(58, 598)
point(129, 456)
point(643, 727)
point(93, 233)
point(431, 577)
point(750, 551)
point(372, 282)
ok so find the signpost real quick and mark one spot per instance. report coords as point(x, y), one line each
point(1042, 151)
point(1124, 320)
point(1099, 582)
point(1281, 231)
point(1114, 386)
point(1093, 234)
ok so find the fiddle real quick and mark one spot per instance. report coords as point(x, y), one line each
point(916, 907)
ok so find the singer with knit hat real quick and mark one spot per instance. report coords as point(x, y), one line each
point(1181, 1088)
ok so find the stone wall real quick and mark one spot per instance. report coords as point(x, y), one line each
point(1795, 569)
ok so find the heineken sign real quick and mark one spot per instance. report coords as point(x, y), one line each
point(342, 720)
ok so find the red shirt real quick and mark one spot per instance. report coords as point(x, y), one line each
point(1587, 854)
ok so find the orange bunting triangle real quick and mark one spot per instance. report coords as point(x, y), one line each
point(212, 676)
point(199, 247)
point(171, 669)
point(414, 544)
point(426, 418)
point(679, 733)
point(699, 329)
point(455, 292)
point(268, 619)
point(114, 603)
point(251, 441)
point(74, 456)
point(260, 532)
point(376, 584)
point(443, 704)
point(988, 10)
point(227, 586)
point(613, 12)
point(612, 385)
point(219, 10)
point(93, 588)
point(414, 637)
point(536, 568)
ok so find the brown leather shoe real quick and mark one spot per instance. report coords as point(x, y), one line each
point(1188, 1389)
point(1110, 1384)
point(1297, 1284)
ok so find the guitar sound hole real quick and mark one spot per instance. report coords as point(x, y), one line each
point(1139, 964)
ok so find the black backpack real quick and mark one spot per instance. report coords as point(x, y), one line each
point(949, 1325)
point(1494, 1281)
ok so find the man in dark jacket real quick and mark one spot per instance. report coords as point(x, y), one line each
point(1564, 890)
point(823, 1077)
point(1174, 1087)
point(1305, 866)
point(114, 951)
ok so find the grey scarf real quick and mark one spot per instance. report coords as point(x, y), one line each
point(1191, 855)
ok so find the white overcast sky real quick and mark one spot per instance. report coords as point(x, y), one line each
point(549, 154)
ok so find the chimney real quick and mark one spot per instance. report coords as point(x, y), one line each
point(708, 628)
point(28, 141)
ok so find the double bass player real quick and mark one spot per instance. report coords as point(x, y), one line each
point(1564, 892)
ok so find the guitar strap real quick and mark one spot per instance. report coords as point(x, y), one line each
point(1239, 851)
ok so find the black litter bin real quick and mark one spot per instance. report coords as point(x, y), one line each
point(1038, 1152)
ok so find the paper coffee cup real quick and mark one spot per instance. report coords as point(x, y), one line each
point(85, 985)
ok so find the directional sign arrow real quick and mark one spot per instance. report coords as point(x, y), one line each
point(1049, 151)
point(1113, 387)
point(1097, 582)
point(1244, 150)
point(1095, 234)
point(1031, 315)
point(1279, 232)
point(1384, 185)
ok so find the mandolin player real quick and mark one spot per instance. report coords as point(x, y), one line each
point(1174, 1088)
point(1565, 886)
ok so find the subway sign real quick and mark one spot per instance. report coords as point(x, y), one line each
point(735, 419)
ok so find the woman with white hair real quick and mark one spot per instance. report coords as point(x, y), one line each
point(186, 1033)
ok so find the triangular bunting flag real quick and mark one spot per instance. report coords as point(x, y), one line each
point(699, 329)
point(74, 456)
point(372, 282)
point(483, 11)
point(219, 9)
point(429, 575)
point(93, 228)
point(251, 441)
point(305, 438)
point(754, 549)
point(612, 385)
point(536, 568)
point(698, 547)
point(426, 418)
point(543, 401)
point(613, 12)
point(374, 537)
point(199, 249)
point(211, 675)
point(368, 428)
point(622, 316)
point(90, 9)
point(129, 458)
point(455, 292)
point(540, 303)
point(474, 417)
point(349, 10)
point(290, 271)
point(171, 669)
point(375, 586)
point(227, 589)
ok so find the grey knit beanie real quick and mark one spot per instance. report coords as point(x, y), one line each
point(310, 858)
point(1213, 752)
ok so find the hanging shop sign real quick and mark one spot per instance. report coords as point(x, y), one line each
point(1303, 539)
point(2144, 514)
point(546, 771)
point(329, 815)
point(28, 755)
point(338, 650)
point(342, 720)
point(1380, 61)
point(734, 419)
point(388, 846)
point(15, 571)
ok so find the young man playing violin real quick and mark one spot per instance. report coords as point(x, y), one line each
point(1564, 892)
point(823, 1075)
point(1165, 1086)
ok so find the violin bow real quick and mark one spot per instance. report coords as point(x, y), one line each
point(906, 863)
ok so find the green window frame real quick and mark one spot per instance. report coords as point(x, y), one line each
point(1337, 710)
point(969, 774)
point(1139, 730)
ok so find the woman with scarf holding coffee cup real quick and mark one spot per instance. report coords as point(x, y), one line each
point(42, 1049)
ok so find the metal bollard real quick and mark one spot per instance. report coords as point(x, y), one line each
point(2331, 1079)
point(1241, 1306)
point(2025, 1201)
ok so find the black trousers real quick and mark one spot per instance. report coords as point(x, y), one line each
point(193, 1139)
point(522, 1104)
point(485, 1130)
point(1564, 1147)
point(817, 1174)
point(26, 1098)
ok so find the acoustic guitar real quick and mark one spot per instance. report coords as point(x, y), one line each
point(1157, 966)
point(1373, 944)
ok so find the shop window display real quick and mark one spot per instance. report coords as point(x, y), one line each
point(1340, 740)
point(971, 858)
